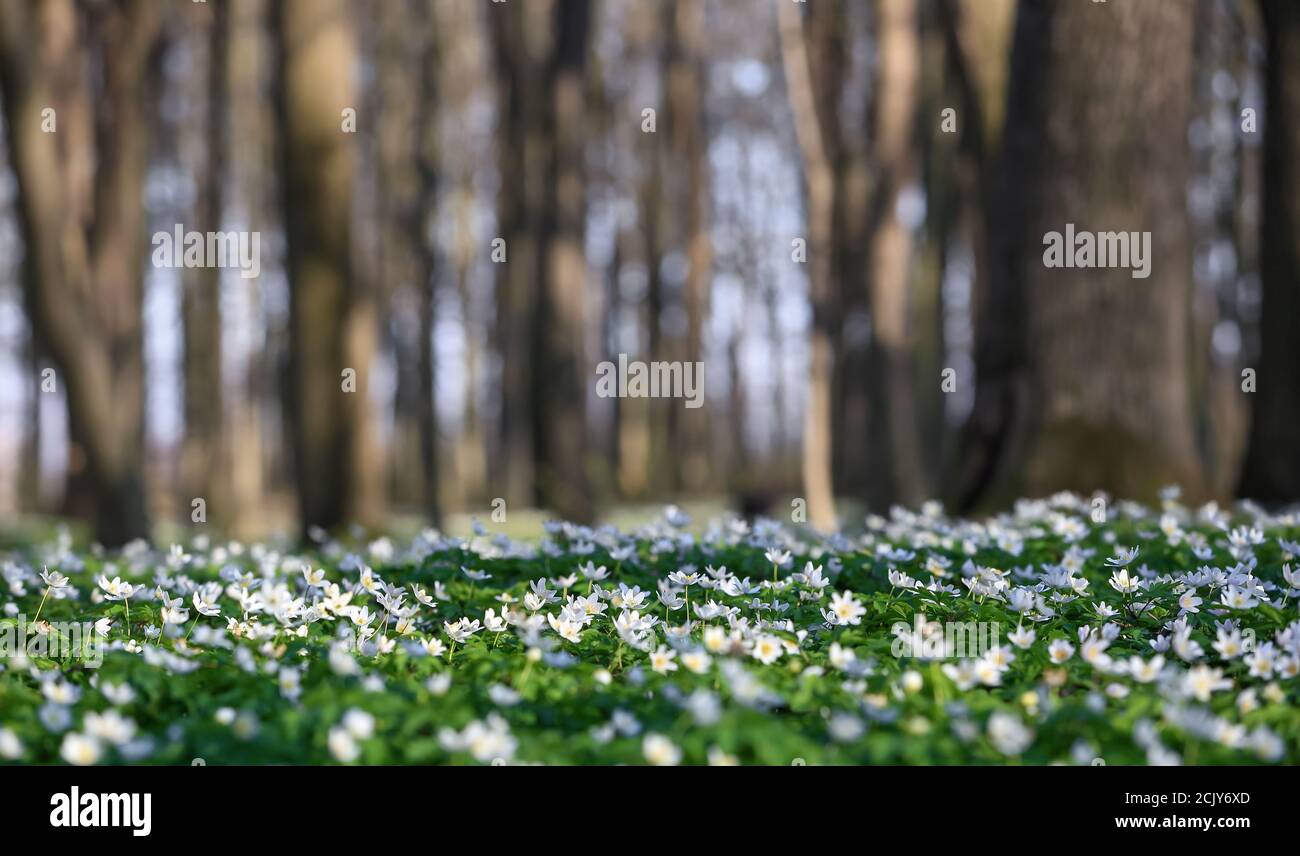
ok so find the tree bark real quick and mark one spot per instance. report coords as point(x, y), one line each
point(802, 40)
point(332, 322)
point(896, 448)
point(1272, 469)
point(82, 219)
point(204, 465)
point(1087, 377)
point(541, 53)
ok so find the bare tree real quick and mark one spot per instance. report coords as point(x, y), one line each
point(1272, 468)
point(895, 158)
point(204, 464)
point(78, 83)
point(808, 47)
point(541, 52)
point(1090, 372)
point(332, 321)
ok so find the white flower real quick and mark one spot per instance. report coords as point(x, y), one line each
point(660, 751)
point(204, 606)
point(1202, 681)
point(342, 745)
point(570, 630)
point(110, 726)
point(1022, 637)
point(1121, 582)
point(1144, 672)
point(358, 723)
point(115, 589)
point(846, 609)
point(54, 579)
point(697, 661)
point(1008, 734)
point(80, 750)
point(662, 660)
point(1189, 602)
point(767, 649)
point(11, 748)
point(1060, 650)
point(776, 556)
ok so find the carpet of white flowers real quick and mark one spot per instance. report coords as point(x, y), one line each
point(1158, 636)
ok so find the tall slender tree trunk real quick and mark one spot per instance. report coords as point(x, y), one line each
point(83, 223)
point(250, 164)
point(977, 34)
point(204, 464)
point(813, 107)
point(1105, 401)
point(419, 225)
point(685, 82)
point(332, 321)
point(1272, 469)
point(897, 451)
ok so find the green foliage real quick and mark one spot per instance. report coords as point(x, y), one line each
point(367, 664)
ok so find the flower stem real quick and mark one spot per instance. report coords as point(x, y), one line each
point(42, 606)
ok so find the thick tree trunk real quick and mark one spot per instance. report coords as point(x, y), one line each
point(542, 285)
point(1088, 381)
point(83, 228)
point(1272, 469)
point(332, 323)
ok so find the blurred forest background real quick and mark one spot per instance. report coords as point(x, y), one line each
point(831, 204)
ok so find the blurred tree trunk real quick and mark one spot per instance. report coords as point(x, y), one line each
point(685, 84)
point(1092, 375)
point(407, 171)
point(204, 465)
point(1272, 469)
point(29, 467)
point(895, 449)
point(332, 323)
point(674, 203)
point(250, 165)
point(420, 221)
point(83, 223)
point(977, 35)
point(812, 56)
point(541, 51)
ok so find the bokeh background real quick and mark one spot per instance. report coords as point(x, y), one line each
point(837, 207)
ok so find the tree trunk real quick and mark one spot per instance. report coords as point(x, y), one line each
point(332, 323)
point(419, 225)
point(976, 40)
point(542, 216)
point(1090, 379)
point(204, 467)
point(684, 81)
point(813, 108)
point(82, 219)
point(1272, 469)
point(896, 447)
